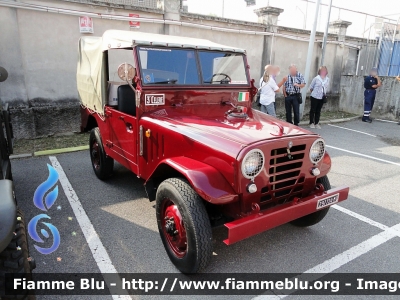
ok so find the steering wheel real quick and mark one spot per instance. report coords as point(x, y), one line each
point(223, 79)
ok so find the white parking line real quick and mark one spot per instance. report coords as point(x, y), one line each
point(366, 220)
point(352, 130)
point(341, 259)
point(99, 253)
point(360, 217)
point(364, 155)
point(387, 121)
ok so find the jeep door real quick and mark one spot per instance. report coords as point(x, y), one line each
point(123, 133)
point(121, 112)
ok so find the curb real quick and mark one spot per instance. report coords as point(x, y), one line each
point(49, 152)
point(16, 156)
point(62, 150)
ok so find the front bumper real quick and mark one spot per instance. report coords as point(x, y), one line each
point(264, 220)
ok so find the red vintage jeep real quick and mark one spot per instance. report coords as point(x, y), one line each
point(180, 118)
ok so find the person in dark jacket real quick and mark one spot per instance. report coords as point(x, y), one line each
point(398, 78)
point(371, 83)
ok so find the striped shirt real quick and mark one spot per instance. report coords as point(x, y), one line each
point(290, 88)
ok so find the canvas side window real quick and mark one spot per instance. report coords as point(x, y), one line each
point(115, 58)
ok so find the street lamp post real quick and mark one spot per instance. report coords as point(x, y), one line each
point(326, 34)
point(309, 57)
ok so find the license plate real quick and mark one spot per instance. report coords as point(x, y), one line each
point(155, 99)
point(327, 201)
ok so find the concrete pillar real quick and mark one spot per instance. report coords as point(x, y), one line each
point(269, 16)
point(172, 9)
point(339, 27)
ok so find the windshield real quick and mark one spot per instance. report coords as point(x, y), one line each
point(168, 66)
point(220, 67)
point(184, 66)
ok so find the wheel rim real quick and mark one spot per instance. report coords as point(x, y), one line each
point(95, 153)
point(173, 229)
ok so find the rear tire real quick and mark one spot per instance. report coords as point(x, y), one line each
point(184, 225)
point(15, 260)
point(317, 216)
point(102, 164)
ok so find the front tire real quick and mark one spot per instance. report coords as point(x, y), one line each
point(15, 258)
point(102, 164)
point(184, 225)
point(317, 216)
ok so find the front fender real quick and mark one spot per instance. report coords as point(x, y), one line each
point(207, 181)
point(8, 213)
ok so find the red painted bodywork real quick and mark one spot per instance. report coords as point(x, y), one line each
point(207, 181)
point(193, 135)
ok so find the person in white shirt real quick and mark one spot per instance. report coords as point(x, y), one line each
point(268, 90)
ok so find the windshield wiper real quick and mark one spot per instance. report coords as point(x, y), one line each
point(226, 80)
point(222, 81)
point(164, 82)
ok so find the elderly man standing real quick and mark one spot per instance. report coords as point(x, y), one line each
point(292, 92)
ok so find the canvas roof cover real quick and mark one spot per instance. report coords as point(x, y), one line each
point(91, 75)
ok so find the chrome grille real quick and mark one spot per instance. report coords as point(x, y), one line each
point(285, 180)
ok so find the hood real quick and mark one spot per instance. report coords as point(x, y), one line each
point(212, 123)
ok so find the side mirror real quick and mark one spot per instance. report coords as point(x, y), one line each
point(126, 72)
point(3, 74)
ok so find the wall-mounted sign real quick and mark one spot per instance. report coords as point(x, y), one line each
point(134, 24)
point(85, 25)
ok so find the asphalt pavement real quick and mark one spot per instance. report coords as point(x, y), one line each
point(365, 157)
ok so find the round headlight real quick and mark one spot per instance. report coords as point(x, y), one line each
point(317, 151)
point(253, 163)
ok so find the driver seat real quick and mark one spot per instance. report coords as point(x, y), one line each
point(126, 100)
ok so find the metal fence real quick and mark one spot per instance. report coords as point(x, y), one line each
point(368, 52)
point(388, 54)
point(382, 34)
point(382, 49)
